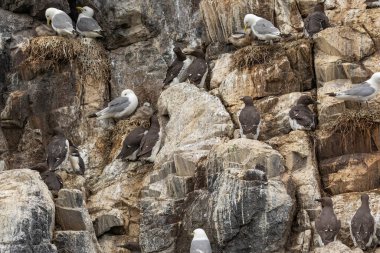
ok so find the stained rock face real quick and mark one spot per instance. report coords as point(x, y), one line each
point(336, 247)
point(27, 212)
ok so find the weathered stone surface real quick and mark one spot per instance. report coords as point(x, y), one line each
point(104, 223)
point(301, 239)
point(348, 43)
point(27, 212)
point(16, 110)
point(197, 120)
point(336, 247)
point(33, 8)
point(139, 67)
point(288, 71)
point(74, 242)
point(351, 173)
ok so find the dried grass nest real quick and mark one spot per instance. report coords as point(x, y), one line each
point(52, 52)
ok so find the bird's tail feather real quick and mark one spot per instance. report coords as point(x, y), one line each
point(92, 115)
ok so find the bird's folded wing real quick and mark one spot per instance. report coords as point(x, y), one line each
point(62, 21)
point(118, 104)
point(264, 26)
point(362, 90)
point(87, 24)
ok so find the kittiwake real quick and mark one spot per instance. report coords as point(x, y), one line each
point(200, 242)
point(60, 22)
point(86, 24)
point(263, 29)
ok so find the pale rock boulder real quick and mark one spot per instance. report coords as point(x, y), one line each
point(190, 119)
point(345, 206)
point(336, 247)
point(221, 70)
point(27, 211)
point(372, 62)
point(370, 19)
point(262, 207)
point(348, 43)
point(75, 241)
point(302, 236)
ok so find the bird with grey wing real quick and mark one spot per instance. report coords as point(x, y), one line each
point(76, 161)
point(362, 227)
point(60, 22)
point(300, 115)
point(87, 26)
point(327, 224)
point(177, 69)
point(263, 29)
point(362, 92)
point(120, 107)
point(316, 21)
point(197, 72)
point(200, 242)
point(249, 119)
point(57, 149)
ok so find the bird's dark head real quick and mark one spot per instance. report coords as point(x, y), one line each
point(178, 52)
point(247, 100)
point(319, 7)
point(325, 201)
point(306, 100)
point(364, 198)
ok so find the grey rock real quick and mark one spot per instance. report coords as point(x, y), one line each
point(34, 7)
point(27, 213)
point(74, 242)
point(105, 222)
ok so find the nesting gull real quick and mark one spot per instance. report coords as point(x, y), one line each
point(57, 150)
point(131, 144)
point(361, 92)
point(86, 24)
point(120, 107)
point(60, 22)
point(263, 29)
point(362, 225)
point(327, 225)
point(316, 21)
point(150, 143)
point(249, 119)
point(76, 161)
point(300, 116)
point(177, 69)
point(200, 242)
point(196, 73)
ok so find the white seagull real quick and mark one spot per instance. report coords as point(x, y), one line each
point(200, 242)
point(60, 22)
point(86, 24)
point(263, 29)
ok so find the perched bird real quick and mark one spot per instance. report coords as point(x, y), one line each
point(196, 73)
point(200, 242)
point(316, 21)
point(177, 68)
point(76, 161)
point(373, 3)
point(131, 144)
point(361, 92)
point(300, 116)
point(142, 113)
point(362, 226)
point(327, 225)
point(86, 24)
point(249, 119)
point(57, 150)
point(52, 180)
point(263, 29)
point(120, 107)
point(241, 38)
point(150, 143)
point(60, 22)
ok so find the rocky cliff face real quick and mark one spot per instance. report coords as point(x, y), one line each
point(202, 176)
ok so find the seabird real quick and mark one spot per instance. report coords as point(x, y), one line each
point(241, 38)
point(86, 24)
point(76, 161)
point(316, 21)
point(60, 22)
point(142, 113)
point(361, 92)
point(200, 242)
point(120, 107)
point(150, 143)
point(373, 3)
point(177, 68)
point(300, 116)
point(57, 149)
point(327, 225)
point(196, 73)
point(363, 225)
point(263, 29)
point(53, 181)
point(249, 119)
point(131, 144)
